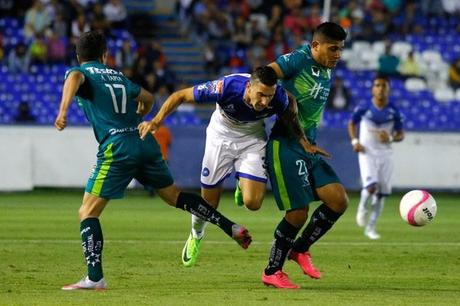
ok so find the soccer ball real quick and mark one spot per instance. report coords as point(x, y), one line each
point(417, 207)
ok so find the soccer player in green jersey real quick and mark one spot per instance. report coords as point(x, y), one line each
point(114, 106)
point(298, 177)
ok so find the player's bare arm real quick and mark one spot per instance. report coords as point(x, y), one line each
point(144, 102)
point(353, 133)
point(71, 86)
point(277, 69)
point(170, 105)
point(398, 136)
point(291, 121)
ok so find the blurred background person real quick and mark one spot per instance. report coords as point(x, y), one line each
point(339, 97)
point(24, 115)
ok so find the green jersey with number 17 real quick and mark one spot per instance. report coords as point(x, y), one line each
point(309, 83)
point(107, 97)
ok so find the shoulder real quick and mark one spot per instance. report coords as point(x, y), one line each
point(394, 109)
point(235, 79)
point(73, 69)
point(362, 107)
point(281, 94)
point(234, 82)
point(299, 54)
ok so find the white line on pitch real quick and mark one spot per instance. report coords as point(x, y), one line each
point(327, 243)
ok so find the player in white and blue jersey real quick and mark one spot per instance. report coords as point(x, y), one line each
point(235, 138)
point(380, 124)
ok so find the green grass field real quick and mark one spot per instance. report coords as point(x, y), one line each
point(40, 251)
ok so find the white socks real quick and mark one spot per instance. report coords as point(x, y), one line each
point(198, 226)
point(363, 205)
point(377, 207)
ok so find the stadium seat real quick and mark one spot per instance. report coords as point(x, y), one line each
point(431, 56)
point(370, 59)
point(378, 47)
point(457, 94)
point(444, 94)
point(415, 84)
point(401, 49)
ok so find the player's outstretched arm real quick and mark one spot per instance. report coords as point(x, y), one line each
point(71, 85)
point(277, 68)
point(173, 101)
point(353, 133)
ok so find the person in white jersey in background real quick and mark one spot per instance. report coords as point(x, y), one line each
point(380, 124)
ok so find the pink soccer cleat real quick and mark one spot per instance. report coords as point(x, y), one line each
point(305, 263)
point(278, 280)
point(87, 284)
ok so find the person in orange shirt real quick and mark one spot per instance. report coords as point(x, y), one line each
point(164, 138)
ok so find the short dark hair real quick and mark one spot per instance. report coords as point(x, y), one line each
point(91, 46)
point(382, 77)
point(330, 30)
point(264, 74)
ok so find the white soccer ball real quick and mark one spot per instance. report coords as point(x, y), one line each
point(417, 207)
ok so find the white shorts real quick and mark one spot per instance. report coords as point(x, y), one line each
point(223, 155)
point(376, 170)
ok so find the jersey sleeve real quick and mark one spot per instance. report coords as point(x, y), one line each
point(291, 63)
point(208, 92)
point(132, 89)
point(358, 113)
point(72, 69)
point(281, 100)
point(83, 91)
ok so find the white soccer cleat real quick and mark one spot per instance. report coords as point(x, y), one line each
point(371, 234)
point(87, 284)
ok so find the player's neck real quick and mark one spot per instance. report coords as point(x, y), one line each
point(380, 103)
point(246, 98)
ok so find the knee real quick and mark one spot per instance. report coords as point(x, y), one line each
point(169, 194)
point(372, 189)
point(340, 203)
point(87, 211)
point(253, 203)
point(297, 217)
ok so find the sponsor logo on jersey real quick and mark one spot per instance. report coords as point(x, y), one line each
point(315, 71)
point(123, 130)
point(315, 90)
point(229, 108)
point(94, 70)
point(211, 87)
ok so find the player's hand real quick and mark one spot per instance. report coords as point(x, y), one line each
point(61, 121)
point(383, 136)
point(141, 109)
point(358, 148)
point(308, 147)
point(147, 127)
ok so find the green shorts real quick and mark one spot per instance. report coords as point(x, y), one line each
point(295, 174)
point(124, 157)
